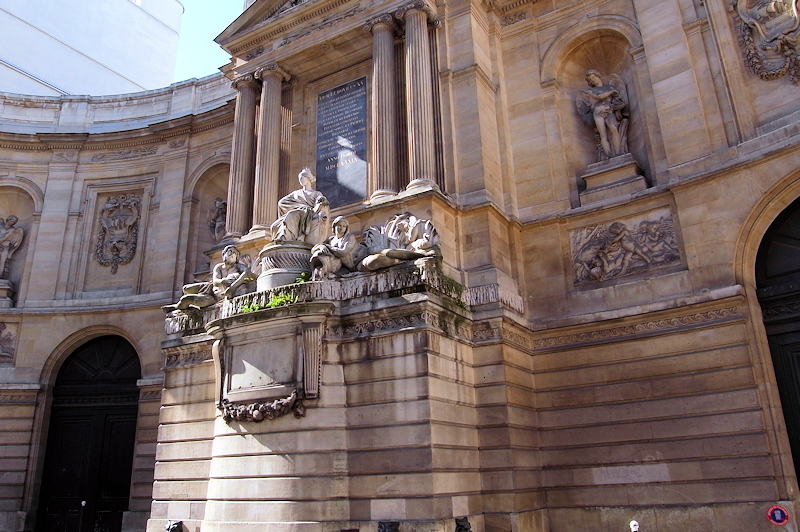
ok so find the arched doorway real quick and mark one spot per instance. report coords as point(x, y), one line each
point(778, 289)
point(90, 443)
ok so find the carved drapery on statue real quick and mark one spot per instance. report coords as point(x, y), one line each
point(769, 33)
point(10, 240)
point(217, 216)
point(119, 230)
point(605, 108)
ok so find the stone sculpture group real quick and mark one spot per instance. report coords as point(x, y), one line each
point(301, 240)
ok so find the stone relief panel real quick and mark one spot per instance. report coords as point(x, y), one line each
point(624, 247)
point(8, 341)
point(118, 232)
point(769, 33)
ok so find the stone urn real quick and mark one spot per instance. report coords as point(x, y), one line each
point(282, 263)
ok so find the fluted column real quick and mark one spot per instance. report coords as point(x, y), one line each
point(240, 183)
point(419, 95)
point(383, 179)
point(268, 151)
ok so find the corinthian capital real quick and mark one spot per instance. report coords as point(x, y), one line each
point(243, 81)
point(272, 69)
point(419, 5)
point(386, 18)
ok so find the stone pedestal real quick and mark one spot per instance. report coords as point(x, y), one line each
point(612, 178)
point(282, 264)
point(6, 294)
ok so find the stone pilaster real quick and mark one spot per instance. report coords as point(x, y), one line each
point(240, 183)
point(268, 151)
point(383, 178)
point(419, 94)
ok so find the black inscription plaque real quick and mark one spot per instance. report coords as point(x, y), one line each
point(342, 143)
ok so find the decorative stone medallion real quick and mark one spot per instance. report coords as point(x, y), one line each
point(119, 230)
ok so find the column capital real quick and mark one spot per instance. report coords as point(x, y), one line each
point(244, 81)
point(272, 69)
point(417, 5)
point(385, 18)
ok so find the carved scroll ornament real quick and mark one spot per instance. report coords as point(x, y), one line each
point(119, 230)
point(769, 33)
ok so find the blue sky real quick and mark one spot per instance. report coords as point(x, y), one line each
point(198, 54)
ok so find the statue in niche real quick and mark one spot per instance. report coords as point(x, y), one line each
point(338, 251)
point(404, 237)
point(302, 214)
point(10, 239)
point(216, 218)
point(229, 278)
point(634, 526)
point(119, 231)
point(604, 107)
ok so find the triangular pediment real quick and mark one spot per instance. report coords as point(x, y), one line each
point(260, 14)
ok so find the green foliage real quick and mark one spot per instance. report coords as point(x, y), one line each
point(252, 307)
point(279, 300)
point(304, 278)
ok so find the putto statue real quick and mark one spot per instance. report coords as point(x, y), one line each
point(404, 237)
point(604, 107)
point(338, 251)
point(302, 214)
point(229, 278)
point(10, 239)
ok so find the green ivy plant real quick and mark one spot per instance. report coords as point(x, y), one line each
point(279, 300)
point(250, 308)
point(304, 278)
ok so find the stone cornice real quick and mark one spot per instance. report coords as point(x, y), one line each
point(152, 134)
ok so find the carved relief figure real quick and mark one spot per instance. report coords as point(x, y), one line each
point(119, 230)
point(603, 252)
point(404, 237)
point(604, 107)
point(216, 218)
point(769, 30)
point(303, 214)
point(336, 252)
point(10, 239)
point(229, 279)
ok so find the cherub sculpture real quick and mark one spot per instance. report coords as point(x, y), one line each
point(303, 214)
point(229, 279)
point(10, 240)
point(604, 107)
point(337, 251)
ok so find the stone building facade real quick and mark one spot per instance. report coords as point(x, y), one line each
point(605, 332)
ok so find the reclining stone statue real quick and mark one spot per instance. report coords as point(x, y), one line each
point(229, 279)
point(404, 237)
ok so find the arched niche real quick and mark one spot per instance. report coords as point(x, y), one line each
point(15, 201)
point(605, 48)
point(211, 184)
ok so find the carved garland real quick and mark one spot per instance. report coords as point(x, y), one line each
point(769, 38)
point(260, 411)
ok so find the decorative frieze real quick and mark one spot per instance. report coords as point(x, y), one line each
point(65, 156)
point(125, 154)
point(662, 325)
point(119, 230)
point(193, 356)
point(513, 18)
point(624, 247)
point(178, 143)
point(318, 26)
point(494, 293)
point(150, 395)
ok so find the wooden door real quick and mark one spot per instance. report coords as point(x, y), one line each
point(91, 440)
